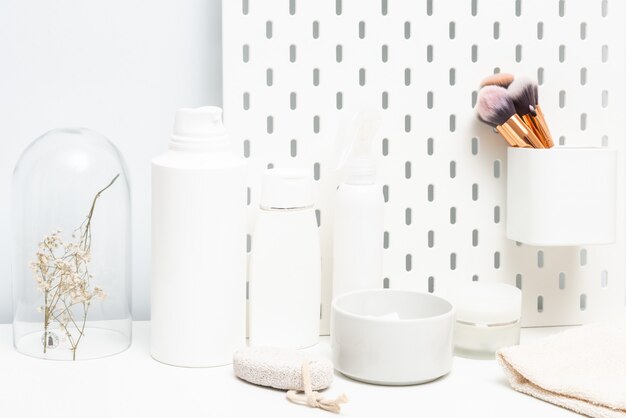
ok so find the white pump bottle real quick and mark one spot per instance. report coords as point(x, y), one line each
point(198, 285)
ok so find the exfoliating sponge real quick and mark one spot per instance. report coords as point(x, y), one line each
point(281, 368)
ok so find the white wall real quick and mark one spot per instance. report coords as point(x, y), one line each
point(118, 67)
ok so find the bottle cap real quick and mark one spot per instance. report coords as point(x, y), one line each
point(287, 188)
point(198, 127)
point(481, 303)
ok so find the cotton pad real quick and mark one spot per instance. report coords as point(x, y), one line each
point(281, 368)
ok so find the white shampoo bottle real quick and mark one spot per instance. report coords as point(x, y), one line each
point(198, 306)
point(358, 216)
point(285, 264)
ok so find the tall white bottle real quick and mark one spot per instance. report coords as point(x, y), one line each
point(198, 244)
point(285, 265)
point(358, 216)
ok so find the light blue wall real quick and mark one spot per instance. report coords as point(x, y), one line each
point(119, 67)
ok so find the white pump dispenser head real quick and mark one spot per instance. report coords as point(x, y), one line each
point(356, 161)
point(199, 128)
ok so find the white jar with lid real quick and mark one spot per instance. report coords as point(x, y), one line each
point(487, 319)
point(285, 264)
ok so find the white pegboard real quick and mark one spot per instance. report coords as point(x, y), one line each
point(294, 70)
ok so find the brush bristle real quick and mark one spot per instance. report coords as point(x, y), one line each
point(499, 79)
point(494, 105)
point(523, 92)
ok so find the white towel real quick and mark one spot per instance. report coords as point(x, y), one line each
point(583, 369)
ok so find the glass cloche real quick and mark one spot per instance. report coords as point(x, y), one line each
point(71, 259)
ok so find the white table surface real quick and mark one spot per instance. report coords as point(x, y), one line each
point(132, 384)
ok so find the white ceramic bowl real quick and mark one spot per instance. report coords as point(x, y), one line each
point(392, 337)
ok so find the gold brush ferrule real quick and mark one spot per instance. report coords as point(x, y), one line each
point(542, 127)
point(519, 127)
point(530, 121)
point(533, 124)
point(511, 136)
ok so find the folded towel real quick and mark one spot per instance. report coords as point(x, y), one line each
point(583, 369)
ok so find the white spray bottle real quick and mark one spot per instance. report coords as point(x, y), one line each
point(358, 217)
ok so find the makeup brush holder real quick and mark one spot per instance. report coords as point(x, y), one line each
point(561, 196)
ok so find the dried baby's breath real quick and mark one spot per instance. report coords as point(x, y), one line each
point(61, 272)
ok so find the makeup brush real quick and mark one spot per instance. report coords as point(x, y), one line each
point(525, 95)
point(499, 79)
point(496, 108)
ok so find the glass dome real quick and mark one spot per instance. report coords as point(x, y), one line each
point(71, 260)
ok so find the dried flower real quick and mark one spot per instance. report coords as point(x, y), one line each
point(61, 272)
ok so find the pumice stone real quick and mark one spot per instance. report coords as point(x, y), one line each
point(281, 368)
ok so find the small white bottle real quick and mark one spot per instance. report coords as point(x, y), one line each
point(198, 306)
point(358, 216)
point(285, 264)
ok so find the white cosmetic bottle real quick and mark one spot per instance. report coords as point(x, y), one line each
point(198, 307)
point(358, 216)
point(285, 264)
